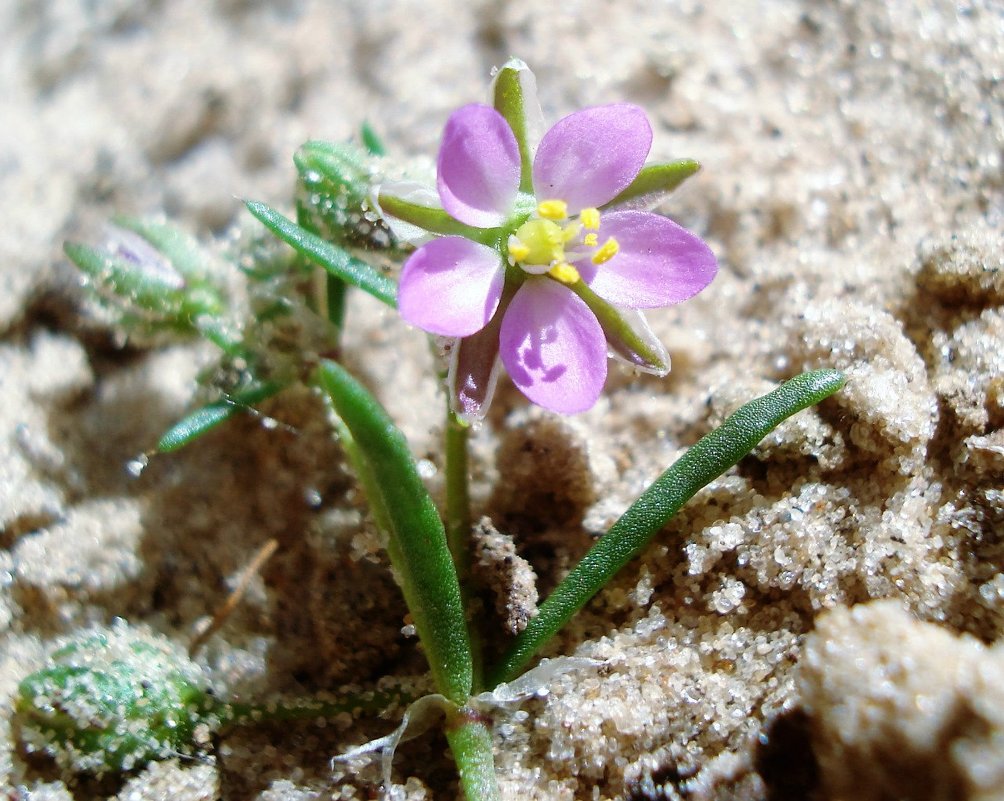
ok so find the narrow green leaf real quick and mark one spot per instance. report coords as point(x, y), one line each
point(654, 183)
point(434, 219)
point(371, 141)
point(224, 336)
point(417, 541)
point(336, 261)
point(202, 420)
point(324, 706)
point(706, 460)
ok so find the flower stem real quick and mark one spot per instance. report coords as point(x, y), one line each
point(327, 297)
point(320, 707)
point(458, 529)
point(470, 737)
point(458, 499)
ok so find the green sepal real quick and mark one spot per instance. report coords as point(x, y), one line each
point(514, 95)
point(337, 261)
point(182, 250)
point(154, 272)
point(654, 183)
point(435, 220)
point(622, 338)
point(707, 459)
point(153, 293)
point(416, 538)
point(206, 418)
point(335, 170)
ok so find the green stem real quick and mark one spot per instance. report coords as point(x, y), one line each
point(470, 738)
point(458, 532)
point(458, 499)
point(328, 296)
point(337, 290)
point(711, 456)
point(323, 707)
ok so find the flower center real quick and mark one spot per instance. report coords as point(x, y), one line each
point(541, 245)
point(536, 244)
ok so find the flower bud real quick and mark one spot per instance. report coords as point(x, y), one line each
point(156, 276)
point(335, 183)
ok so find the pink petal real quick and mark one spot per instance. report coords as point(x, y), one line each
point(474, 371)
point(450, 286)
point(659, 263)
point(553, 347)
point(478, 168)
point(588, 157)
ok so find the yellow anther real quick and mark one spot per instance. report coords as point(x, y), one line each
point(591, 240)
point(517, 250)
point(606, 252)
point(564, 272)
point(552, 209)
point(590, 218)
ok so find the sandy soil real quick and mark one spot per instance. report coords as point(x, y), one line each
point(852, 189)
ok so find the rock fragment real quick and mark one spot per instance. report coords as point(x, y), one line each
point(903, 709)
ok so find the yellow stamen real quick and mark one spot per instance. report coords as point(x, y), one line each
point(590, 218)
point(570, 231)
point(564, 272)
point(517, 250)
point(552, 209)
point(591, 240)
point(606, 252)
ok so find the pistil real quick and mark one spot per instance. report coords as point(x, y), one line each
point(538, 245)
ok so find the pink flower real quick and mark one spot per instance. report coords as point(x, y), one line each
point(539, 267)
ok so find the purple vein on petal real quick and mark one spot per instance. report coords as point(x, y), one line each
point(553, 347)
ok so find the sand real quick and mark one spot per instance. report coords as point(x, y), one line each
point(852, 190)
